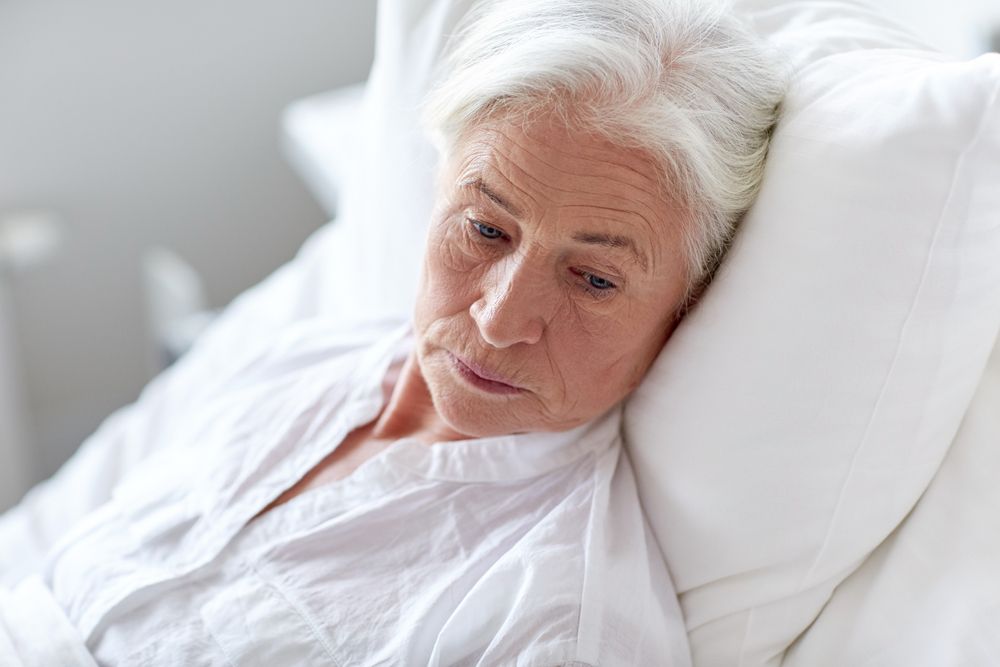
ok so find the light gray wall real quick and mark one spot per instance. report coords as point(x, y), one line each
point(959, 27)
point(142, 123)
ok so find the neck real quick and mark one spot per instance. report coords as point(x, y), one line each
point(409, 411)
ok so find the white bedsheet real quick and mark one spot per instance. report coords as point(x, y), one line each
point(34, 632)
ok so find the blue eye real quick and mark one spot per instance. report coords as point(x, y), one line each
point(598, 283)
point(486, 231)
point(597, 286)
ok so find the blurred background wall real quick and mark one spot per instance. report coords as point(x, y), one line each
point(964, 28)
point(133, 124)
point(128, 125)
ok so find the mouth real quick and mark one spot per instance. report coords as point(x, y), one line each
point(482, 378)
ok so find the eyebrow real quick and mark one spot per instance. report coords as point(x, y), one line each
point(614, 241)
point(478, 184)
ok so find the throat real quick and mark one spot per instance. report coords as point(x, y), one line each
point(409, 407)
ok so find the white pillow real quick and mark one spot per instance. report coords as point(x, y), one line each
point(799, 412)
point(386, 200)
point(930, 594)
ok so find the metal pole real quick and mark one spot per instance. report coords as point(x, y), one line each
point(14, 472)
point(26, 239)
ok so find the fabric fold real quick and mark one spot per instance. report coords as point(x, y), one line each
point(34, 632)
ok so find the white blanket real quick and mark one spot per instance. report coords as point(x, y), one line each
point(35, 633)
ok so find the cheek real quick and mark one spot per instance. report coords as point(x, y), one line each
point(605, 358)
point(646, 340)
point(447, 279)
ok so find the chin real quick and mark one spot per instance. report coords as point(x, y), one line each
point(471, 414)
point(474, 427)
point(467, 410)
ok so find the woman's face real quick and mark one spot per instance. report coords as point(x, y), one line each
point(552, 273)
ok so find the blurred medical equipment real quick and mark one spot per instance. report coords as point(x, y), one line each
point(176, 306)
point(27, 239)
point(13, 466)
point(318, 137)
point(317, 133)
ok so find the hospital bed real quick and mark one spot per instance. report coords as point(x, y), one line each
point(818, 446)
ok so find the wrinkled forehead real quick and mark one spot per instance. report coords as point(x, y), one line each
point(548, 159)
point(545, 169)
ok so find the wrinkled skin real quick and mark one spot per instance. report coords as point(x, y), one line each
point(516, 280)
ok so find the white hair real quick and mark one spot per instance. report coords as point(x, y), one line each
point(683, 80)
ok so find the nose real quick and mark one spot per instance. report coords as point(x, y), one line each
point(510, 310)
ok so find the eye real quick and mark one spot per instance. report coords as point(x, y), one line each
point(486, 231)
point(597, 286)
point(598, 282)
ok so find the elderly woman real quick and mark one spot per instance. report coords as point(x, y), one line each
point(454, 491)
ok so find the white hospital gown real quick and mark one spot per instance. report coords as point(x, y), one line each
point(522, 550)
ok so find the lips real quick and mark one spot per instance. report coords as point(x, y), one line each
point(487, 379)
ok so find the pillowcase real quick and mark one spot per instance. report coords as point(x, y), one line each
point(929, 595)
point(798, 413)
